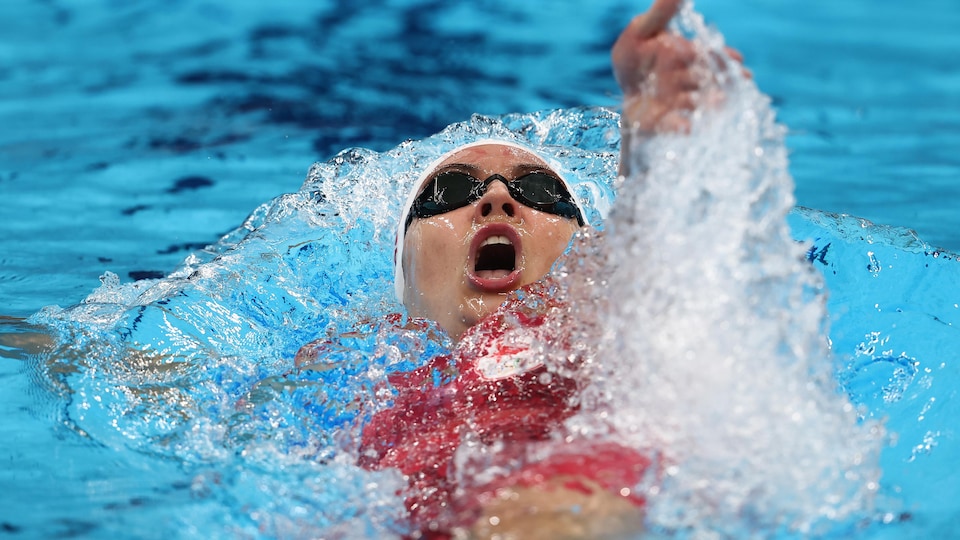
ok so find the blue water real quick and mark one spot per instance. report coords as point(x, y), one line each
point(169, 125)
point(119, 101)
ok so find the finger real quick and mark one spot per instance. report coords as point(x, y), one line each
point(673, 52)
point(655, 20)
point(673, 122)
point(661, 115)
point(677, 81)
point(734, 54)
point(712, 98)
point(686, 101)
point(737, 57)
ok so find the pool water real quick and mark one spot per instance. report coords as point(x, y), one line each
point(173, 123)
point(246, 96)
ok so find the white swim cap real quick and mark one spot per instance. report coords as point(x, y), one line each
point(426, 176)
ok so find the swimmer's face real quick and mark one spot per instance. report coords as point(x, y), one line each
point(460, 265)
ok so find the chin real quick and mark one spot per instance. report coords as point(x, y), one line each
point(479, 306)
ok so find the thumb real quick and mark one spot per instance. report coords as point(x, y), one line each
point(655, 19)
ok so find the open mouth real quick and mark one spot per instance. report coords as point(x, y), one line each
point(496, 258)
point(495, 255)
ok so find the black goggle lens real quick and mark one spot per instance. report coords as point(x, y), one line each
point(446, 192)
point(450, 190)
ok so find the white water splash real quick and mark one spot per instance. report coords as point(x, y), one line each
point(714, 351)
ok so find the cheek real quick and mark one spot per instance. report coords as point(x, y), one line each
point(545, 245)
point(552, 237)
point(432, 252)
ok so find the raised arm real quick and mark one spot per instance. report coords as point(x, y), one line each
point(663, 76)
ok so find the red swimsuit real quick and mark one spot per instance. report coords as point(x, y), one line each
point(491, 390)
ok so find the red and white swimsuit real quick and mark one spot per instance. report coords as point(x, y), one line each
point(492, 389)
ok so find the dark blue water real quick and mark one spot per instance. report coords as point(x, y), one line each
point(138, 133)
point(110, 109)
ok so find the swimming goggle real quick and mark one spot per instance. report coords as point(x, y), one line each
point(451, 190)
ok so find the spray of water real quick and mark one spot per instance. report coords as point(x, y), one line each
point(251, 367)
point(701, 327)
point(710, 329)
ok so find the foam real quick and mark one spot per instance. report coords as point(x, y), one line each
point(711, 326)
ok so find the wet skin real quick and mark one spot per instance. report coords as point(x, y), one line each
point(460, 265)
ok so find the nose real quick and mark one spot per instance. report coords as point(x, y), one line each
point(496, 202)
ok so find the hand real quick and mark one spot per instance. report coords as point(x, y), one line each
point(664, 77)
point(561, 508)
point(20, 340)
